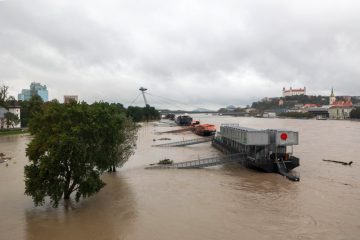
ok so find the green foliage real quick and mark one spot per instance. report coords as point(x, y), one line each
point(355, 113)
point(165, 161)
point(297, 115)
point(8, 132)
point(139, 114)
point(3, 95)
point(11, 119)
point(30, 108)
point(290, 102)
point(72, 145)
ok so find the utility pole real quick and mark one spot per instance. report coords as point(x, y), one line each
point(143, 90)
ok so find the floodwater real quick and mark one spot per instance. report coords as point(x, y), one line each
point(224, 202)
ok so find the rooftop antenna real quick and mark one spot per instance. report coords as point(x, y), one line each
point(143, 90)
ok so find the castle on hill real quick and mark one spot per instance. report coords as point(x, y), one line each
point(293, 92)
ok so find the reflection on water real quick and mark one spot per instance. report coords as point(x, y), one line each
point(223, 202)
point(109, 215)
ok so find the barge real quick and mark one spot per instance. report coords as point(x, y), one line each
point(268, 150)
point(204, 129)
point(183, 120)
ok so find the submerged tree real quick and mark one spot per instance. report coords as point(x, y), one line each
point(355, 113)
point(128, 137)
point(73, 145)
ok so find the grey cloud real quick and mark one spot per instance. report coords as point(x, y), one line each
point(205, 53)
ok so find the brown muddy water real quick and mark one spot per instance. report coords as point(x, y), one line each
point(224, 202)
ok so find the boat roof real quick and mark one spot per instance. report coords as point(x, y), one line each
point(237, 126)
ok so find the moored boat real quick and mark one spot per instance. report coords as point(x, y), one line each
point(205, 129)
point(268, 150)
point(183, 120)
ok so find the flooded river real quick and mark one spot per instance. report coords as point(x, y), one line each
point(224, 202)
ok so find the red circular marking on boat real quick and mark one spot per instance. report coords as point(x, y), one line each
point(283, 136)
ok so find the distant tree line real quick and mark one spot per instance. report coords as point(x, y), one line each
point(355, 113)
point(290, 102)
point(141, 114)
point(296, 115)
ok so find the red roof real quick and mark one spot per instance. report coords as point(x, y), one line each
point(342, 104)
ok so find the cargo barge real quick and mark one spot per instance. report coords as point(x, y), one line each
point(183, 120)
point(268, 150)
point(204, 129)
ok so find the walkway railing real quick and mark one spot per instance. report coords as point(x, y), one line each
point(204, 162)
point(185, 142)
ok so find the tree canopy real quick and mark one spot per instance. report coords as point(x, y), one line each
point(11, 119)
point(30, 108)
point(72, 145)
point(355, 113)
point(139, 114)
point(3, 95)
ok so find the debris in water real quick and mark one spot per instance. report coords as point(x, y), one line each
point(165, 161)
point(3, 158)
point(340, 162)
point(162, 139)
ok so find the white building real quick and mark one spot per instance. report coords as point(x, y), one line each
point(339, 112)
point(293, 92)
point(16, 111)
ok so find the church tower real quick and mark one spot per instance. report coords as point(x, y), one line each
point(332, 97)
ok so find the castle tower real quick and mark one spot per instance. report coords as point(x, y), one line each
point(332, 97)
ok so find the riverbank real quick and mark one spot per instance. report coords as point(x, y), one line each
point(13, 132)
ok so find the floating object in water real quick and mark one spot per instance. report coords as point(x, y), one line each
point(340, 162)
point(165, 161)
point(162, 139)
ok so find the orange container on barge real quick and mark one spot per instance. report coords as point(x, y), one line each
point(205, 129)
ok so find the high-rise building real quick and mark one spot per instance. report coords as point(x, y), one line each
point(35, 89)
point(24, 95)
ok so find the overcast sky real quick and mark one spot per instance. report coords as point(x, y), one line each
point(202, 53)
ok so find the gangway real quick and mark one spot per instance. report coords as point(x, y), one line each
point(185, 142)
point(283, 171)
point(204, 162)
point(177, 130)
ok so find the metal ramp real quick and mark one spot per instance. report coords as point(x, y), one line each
point(177, 130)
point(204, 162)
point(185, 142)
point(284, 171)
